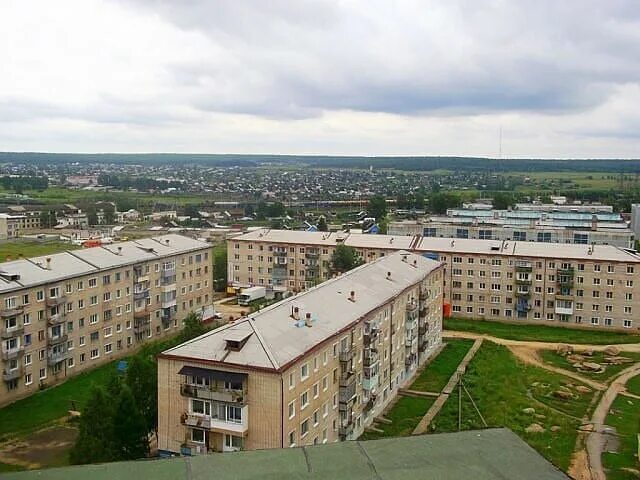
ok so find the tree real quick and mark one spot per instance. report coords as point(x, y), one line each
point(95, 438)
point(344, 258)
point(441, 201)
point(502, 201)
point(193, 327)
point(109, 214)
point(220, 269)
point(322, 224)
point(92, 216)
point(377, 207)
point(129, 428)
point(142, 380)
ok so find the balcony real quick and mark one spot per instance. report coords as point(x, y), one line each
point(523, 281)
point(57, 357)
point(55, 301)
point(566, 271)
point(280, 253)
point(140, 325)
point(564, 309)
point(422, 330)
point(523, 307)
point(312, 253)
point(196, 420)
point(346, 428)
point(410, 360)
point(219, 395)
point(8, 375)
point(370, 357)
point(216, 424)
point(564, 281)
point(523, 294)
point(423, 295)
point(279, 272)
point(348, 354)
point(55, 339)
point(369, 383)
point(370, 403)
point(141, 294)
point(166, 280)
point(169, 302)
point(139, 276)
point(11, 312)
point(525, 267)
point(412, 307)
point(371, 336)
point(56, 319)
point(13, 353)
point(12, 332)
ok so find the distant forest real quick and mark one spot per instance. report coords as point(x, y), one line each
point(399, 163)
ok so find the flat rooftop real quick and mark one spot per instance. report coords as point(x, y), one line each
point(274, 338)
point(494, 454)
point(418, 244)
point(29, 272)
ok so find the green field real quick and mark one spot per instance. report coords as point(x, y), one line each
point(626, 419)
point(502, 388)
point(437, 373)
point(48, 405)
point(633, 385)
point(552, 358)
point(32, 248)
point(405, 415)
point(540, 333)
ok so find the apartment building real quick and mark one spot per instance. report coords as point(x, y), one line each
point(314, 368)
point(601, 228)
point(12, 226)
point(592, 286)
point(71, 311)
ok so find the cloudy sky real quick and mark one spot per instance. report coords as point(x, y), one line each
point(560, 78)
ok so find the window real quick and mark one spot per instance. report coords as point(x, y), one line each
point(200, 407)
point(93, 282)
point(304, 400)
point(292, 381)
point(95, 353)
point(292, 438)
point(292, 409)
point(627, 323)
point(304, 428)
point(304, 372)
point(197, 435)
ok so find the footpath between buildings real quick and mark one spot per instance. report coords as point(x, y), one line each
point(446, 391)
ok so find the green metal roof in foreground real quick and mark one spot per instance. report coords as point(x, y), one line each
point(478, 455)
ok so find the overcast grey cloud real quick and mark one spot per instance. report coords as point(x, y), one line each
point(335, 77)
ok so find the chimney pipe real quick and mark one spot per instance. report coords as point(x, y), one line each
point(295, 314)
point(48, 263)
point(388, 275)
point(307, 320)
point(119, 250)
point(352, 296)
point(415, 263)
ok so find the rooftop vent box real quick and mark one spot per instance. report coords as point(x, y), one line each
point(12, 277)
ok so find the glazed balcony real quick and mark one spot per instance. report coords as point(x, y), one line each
point(215, 394)
point(12, 332)
point(57, 357)
point(13, 353)
point(9, 375)
point(347, 354)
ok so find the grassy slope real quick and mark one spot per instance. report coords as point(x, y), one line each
point(405, 415)
point(542, 333)
point(626, 420)
point(435, 376)
point(633, 385)
point(552, 358)
point(32, 249)
point(501, 386)
point(48, 405)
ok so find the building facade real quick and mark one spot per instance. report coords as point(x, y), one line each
point(314, 368)
point(593, 286)
point(12, 226)
point(68, 312)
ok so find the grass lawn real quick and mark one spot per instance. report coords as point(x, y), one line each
point(405, 415)
point(5, 468)
point(626, 420)
point(541, 333)
point(552, 358)
point(502, 388)
point(633, 385)
point(32, 248)
point(437, 373)
point(44, 407)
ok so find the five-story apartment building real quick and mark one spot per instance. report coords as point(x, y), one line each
point(592, 286)
point(67, 312)
point(314, 368)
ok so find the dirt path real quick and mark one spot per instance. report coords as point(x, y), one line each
point(624, 347)
point(530, 355)
point(595, 439)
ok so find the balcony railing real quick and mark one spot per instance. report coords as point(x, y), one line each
point(13, 353)
point(55, 339)
point(280, 253)
point(56, 318)
point(53, 301)
point(57, 357)
point(207, 393)
point(12, 332)
point(524, 267)
point(412, 307)
point(11, 312)
point(347, 354)
point(8, 375)
point(570, 271)
point(141, 294)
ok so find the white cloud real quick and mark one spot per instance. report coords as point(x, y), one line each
point(349, 77)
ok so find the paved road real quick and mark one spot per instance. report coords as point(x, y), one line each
point(595, 439)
